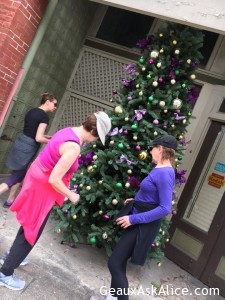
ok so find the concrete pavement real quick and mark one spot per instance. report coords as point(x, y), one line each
point(59, 272)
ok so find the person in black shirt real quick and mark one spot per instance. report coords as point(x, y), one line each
point(27, 144)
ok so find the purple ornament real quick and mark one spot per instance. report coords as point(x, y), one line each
point(125, 131)
point(177, 111)
point(143, 44)
point(174, 212)
point(65, 211)
point(151, 61)
point(156, 122)
point(165, 126)
point(107, 217)
point(114, 92)
point(138, 148)
point(160, 80)
point(153, 244)
point(72, 245)
point(129, 98)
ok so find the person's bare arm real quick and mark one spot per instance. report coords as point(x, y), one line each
point(69, 153)
point(40, 134)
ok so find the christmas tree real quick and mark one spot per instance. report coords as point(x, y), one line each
point(156, 98)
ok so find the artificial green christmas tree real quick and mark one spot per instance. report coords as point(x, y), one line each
point(156, 98)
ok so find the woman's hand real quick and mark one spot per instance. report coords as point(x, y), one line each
point(128, 200)
point(74, 198)
point(124, 222)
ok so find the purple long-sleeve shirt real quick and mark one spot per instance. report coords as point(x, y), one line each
point(156, 188)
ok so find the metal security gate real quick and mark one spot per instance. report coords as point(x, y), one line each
point(95, 75)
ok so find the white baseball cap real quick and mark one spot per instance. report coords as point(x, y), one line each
point(103, 125)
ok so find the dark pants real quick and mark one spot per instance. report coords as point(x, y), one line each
point(15, 177)
point(118, 261)
point(19, 250)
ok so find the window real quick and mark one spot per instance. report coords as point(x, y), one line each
point(209, 42)
point(222, 107)
point(124, 27)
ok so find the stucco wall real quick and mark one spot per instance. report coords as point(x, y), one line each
point(52, 64)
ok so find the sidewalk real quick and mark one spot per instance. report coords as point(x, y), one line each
point(59, 272)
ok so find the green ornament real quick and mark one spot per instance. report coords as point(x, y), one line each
point(189, 114)
point(149, 76)
point(142, 60)
point(120, 145)
point(180, 158)
point(94, 166)
point(119, 184)
point(74, 179)
point(92, 240)
point(183, 85)
point(150, 98)
point(177, 72)
point(134, 127)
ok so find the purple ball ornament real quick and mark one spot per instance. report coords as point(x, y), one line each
point(125, 132)
point(138, 148)
point(156, 122)
point(160, 80)
point(65, 211)
point(151, 61)
point(114, 92)
point(164, 126)
point(129, 98)
point(107, 217)
point(174, 212)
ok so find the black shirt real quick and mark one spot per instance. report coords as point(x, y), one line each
point(33, 118)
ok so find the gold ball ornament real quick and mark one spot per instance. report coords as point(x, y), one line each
point(100, 212)
point(162, 103)
point(193, 77)
point(161, 50)
point(167, 240)
point(95, 157)
point(177, 51)
point(189, 61)
point(90, 169)
point(177, 103)
point(111, 142)
point(137, 85)
point(94, 146)
point(88, 188)
point(143, 69)
point(74, 217)
point(104, 235)
point(161, 34)
point(81, 185)
point(165, 111)
point(114, 201)
point(118, 110)
point(126, 119)
point(127, 185)
point(141, 93)
point(100, 181)
point(154, 54)
point(159, 264)
point(172, 81)
point(174, 42)
point(184, 121)
point(143, 155)
point(155, 133)
point(159, 64)
point(155, 83)
point(129, 171)
point(58, 231)
point(173, 126)
point(135, 137)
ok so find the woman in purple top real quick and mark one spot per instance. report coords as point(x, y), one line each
point(141, 216)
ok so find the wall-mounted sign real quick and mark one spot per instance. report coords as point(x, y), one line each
point(216, 180)
point(220, 167)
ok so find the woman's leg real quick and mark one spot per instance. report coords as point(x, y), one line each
point(19, 250)
point(118, 262)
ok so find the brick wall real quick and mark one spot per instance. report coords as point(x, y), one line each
point(19, 20)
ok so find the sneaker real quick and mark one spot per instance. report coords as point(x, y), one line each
point(23, 263)
point(11, 282)
point(8, 203)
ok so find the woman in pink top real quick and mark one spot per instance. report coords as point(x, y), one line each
point(45, 184)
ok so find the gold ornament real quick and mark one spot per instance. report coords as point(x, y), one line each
point(154, 54)
point(165, 111)
point(143, 155)
point(94, 146)
point(177, 51)
point(161, 50)
point(155, 133)
point(88, 188)
point(111, 100)
point(127, 185)
point(137, 85)
point(135, 137)
point(155, 83)
point(74, 217)
point(143, 68)
point(100, 181)
point(126, 119)
point(118, 110)
point(161, 34)
point(58, 231)
point(193, 77)
point(81, 185)
point(159, 264)
point(172, 81)
point(104, 235)
point(114, 201)
point(129, 171)
point(95, 157)
point(174, 42)
point(141, 93)
point(111, 142)
point(162, 103)
point(90, 169)
point(100, 212)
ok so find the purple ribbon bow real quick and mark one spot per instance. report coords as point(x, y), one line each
point(122, 159)
point(139, 114)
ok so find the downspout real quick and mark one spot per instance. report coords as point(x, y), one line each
point(10, 96)
point(27, 63)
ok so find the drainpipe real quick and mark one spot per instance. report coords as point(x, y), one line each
point(10, 96)
point(27, 62)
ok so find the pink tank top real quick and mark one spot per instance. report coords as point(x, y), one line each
point(50, 154)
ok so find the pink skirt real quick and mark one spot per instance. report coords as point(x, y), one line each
point(35, 200)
